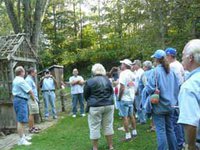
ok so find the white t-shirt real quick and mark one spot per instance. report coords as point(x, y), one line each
point(77, 88)
point(178, 70)
point(127, 78)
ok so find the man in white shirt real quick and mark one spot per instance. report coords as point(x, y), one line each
point(126, 98)
point(175, 65)
point(76, 83)
point(178, 69)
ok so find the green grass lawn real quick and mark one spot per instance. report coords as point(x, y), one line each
point(73, 134)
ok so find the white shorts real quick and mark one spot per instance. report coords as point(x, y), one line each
point(101, 117)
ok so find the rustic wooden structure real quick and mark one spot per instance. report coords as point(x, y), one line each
point(15, 50)
point(57, 72)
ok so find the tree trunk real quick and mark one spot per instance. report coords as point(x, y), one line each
point(75, 23)
point(27, 17)
point(54, 21)
point(81, 26)
point(39, 9)
point(19, 11)
point(12, 16)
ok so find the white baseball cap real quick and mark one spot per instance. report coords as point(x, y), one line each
point(127, 62)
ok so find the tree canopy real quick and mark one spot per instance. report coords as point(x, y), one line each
point(79, 33)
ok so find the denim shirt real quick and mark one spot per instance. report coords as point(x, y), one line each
point(30, 80)
point(48, 84)
point(168, 84)
point(145, 101)
point(20, 87)
point(143, 80)
point(189, 99)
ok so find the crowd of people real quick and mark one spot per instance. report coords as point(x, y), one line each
point(164, 91)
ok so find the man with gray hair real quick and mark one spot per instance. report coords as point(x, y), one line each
point(33, 106)
point(189, 100)
point(138, 71)
point(21, 92)
point(147, 67)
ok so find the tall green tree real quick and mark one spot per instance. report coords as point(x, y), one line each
point(26, 16)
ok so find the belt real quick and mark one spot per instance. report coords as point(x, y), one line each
point(21, 97)
point(48, 90)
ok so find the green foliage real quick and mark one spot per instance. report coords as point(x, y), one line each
point(80, 33)
point(5, 25)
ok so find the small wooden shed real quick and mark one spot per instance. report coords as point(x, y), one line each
point(15, 50)
point(56, 71)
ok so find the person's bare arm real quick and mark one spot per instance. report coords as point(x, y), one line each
point(32, 95)
point(121, 91)
point(115, 83)
point(81, 82)
point(74, 82)
point(190, 132)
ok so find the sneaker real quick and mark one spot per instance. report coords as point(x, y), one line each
point(32, 130)
point(28, 138)
point(126, 140)
point(74, 116)
point(121, 129)
point(133, 136)
point(55, 117)
point(134, 133)
point(46, 118)
point(82, 115)
point(23, 141)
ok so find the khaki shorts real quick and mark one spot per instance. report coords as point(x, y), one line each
point(33, 107)
point(101, 117)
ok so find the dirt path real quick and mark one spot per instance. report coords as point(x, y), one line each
point(7, 142)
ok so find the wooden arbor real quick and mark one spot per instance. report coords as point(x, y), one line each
point(15, 50)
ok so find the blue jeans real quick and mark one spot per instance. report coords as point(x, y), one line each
point(140, 112)
point(178, 129)
point(49, 97)
point(75, 99)
point(142, 115)
point(165, 132)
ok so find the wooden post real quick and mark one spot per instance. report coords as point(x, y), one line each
point(63, 98)
point(37, 117)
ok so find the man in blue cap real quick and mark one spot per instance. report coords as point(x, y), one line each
point(48, 85)
point(178, 69)
point(175, 65)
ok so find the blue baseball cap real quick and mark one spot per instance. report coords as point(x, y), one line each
point(170, 51)
point(159, 54)
point(46, 71)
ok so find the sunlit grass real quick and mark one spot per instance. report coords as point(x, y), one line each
point(73, 134)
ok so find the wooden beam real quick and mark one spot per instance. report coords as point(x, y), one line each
point(23, 59)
